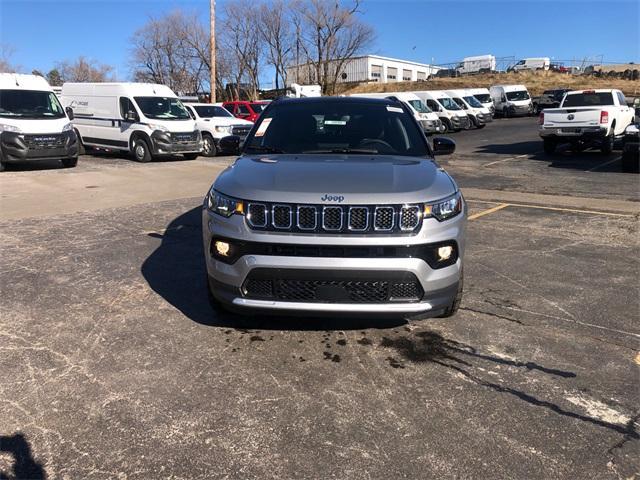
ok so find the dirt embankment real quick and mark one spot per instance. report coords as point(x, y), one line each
point(536, 83)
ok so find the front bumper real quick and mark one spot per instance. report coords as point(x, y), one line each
point(432, 126)
point(168, 143)
point(582, 133)
point(460, 123)
point(19, 147)
point(437, 286)
point(515, 111)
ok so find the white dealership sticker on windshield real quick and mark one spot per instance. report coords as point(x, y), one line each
point(394, 109)
point(335, 122)
point(263, 127)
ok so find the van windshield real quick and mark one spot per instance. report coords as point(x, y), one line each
point(483, 97)
point(339, 127)
point(519, 95)
point(419, 106)
point(471, 100)
point(162, 108)
point(448, 103)
point(209, 111)
point(29, 104)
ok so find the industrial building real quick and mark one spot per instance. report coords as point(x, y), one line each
point(372, 68)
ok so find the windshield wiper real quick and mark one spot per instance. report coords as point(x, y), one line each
point(356, 151)
point(265, 149)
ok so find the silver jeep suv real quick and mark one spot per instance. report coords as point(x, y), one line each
point(336, 206)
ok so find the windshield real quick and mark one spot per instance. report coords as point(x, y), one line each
point(473, 101)
point(483, 97)
point(29, 104)
point(162, 108)
point(209, 111)
point(588, 99)
point(337, 127)
point(419, 106)
point(460, 103)
point(448, 103)
point(258, 107)
point(519, 95)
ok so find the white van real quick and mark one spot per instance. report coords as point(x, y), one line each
point(511, 100)
point(144, 119)
point(483, 96)
point(215, 123)
point(477, 64)
point(33, 124)
point(478, 114)
point(540, 63)
point(429, 120)
point(452, 116)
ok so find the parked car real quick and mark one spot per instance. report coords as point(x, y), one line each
point(245, 110)
point(539, 63)
point(215, 123)
point(586, 117)
point(560, 68)
point(478, 114)
point(33, 124)
point(446, 73)
point(484, 97)
point(631, 149)
point(549, 99)
point(452, 116)
point(336, 207)
point(511, 100)
point(426, 117)
point(144, 119)
point(477, 64)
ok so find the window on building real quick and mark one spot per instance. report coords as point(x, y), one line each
point(406, 75)
point(376, 72)
point(422, 76)
point(392, 73)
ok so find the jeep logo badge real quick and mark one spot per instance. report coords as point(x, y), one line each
point(571, 116)
point(332, 198)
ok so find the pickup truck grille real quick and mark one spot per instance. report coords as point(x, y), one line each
point(241, 130)
point(334, 218)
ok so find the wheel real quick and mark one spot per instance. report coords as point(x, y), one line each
point(81, 149)
point(69, 162)
point(607, 144)
point(141, 150)
point(549, 146)
point(208, 146)
point(190, 156)
point(577, 147)
point(447, 127)
point(505, 112)
point(482, 125)
point(451, 310)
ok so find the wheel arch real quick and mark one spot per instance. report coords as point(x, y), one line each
point(136, 135)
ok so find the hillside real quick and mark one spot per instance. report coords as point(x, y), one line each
point(536, 83)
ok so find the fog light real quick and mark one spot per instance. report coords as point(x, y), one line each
point(444, 253)
point(222, 248)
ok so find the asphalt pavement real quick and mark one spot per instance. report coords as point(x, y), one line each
point(114, 364)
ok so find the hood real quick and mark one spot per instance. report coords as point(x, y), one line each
point(40, 125)
point(358, 179)
point(176, 126)
point(222, 121)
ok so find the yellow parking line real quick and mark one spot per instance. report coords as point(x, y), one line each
point(637, 359)
point(557, 209)
point(488, 211)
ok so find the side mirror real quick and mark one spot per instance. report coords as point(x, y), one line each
point(131, 116)
point(69, 111)
point(230, 144)
point(443, 146)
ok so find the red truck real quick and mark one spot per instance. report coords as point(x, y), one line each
point(245, 109)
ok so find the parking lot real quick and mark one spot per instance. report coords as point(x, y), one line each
point(115, 365)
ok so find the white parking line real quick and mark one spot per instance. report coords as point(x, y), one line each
point(508, 159)
point(603, 165)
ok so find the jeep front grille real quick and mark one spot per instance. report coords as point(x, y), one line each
point(334, 218)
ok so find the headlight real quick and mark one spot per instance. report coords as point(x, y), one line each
point(222, 129)
point(444, 209)
point(9, 128)
point(223, 205)
point(67, 127)
point(156, 126)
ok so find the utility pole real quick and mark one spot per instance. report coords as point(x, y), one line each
point(212, 78)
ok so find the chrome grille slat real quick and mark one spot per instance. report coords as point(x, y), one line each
point(281, 217)
point(383, 219)
point(409, 217)
point(257, 215)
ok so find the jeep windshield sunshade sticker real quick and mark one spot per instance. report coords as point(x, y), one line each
point(394, 109)
point(335, 122)
point(263, 127)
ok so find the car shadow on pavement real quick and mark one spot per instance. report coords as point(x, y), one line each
point(24, 465)
point(515, 148)
point(430, 346)
point(176, 271)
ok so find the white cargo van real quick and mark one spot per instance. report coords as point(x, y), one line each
point(541, 63)
point(428, 119)
point(145, 119)
point(452, 116)
point(478, 114)
point(215, 123)
point(511, 100)
point(477, 64)
point(33, 124)
point(484, 97)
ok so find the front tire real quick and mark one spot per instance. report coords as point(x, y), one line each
point(208, 146)
point(190, 156)
point(141, 150)
point(447, 127)
point(452, 309)
point(549, 146)
point(81, 149)
point(607, 145)
point(69, 162)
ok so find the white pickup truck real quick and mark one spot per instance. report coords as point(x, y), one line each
point(584, 118)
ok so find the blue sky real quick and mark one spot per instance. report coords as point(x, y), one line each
point(45, 31)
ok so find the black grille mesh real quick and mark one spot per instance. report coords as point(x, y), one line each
point(282, 216)
point(384, 218)
point(409, 217)
point(257, 214)
point(332, 218)
point(307, 217)
point(358, 218)
point(259, 288)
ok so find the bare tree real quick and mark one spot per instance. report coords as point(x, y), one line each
point(6, 53)
point(277, 30)
point(84, 70)
point(332, 34)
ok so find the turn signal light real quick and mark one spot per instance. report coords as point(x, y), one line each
point(604, 117)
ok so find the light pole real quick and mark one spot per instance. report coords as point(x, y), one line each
point(212, 73)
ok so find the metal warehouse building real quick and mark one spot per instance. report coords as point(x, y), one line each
point(366, 68)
